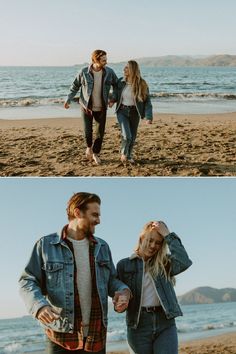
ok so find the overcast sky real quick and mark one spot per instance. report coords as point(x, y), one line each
point(200, 210)
point(65, 32)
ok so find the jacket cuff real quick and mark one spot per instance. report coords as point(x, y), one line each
point(37, 306)
point(172, 236)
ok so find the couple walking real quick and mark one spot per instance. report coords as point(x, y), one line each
point(130, 93)
point(69, 276)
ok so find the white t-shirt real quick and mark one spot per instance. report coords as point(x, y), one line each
point(97, 91)
point(149, 295)
point(84, 279)
point(128, 96)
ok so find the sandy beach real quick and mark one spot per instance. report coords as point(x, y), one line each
point(174, 145)
point(221, 344)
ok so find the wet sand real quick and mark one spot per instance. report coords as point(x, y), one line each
point(174, 145)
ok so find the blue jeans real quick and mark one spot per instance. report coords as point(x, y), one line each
point(100, 122)
point(154, 334)
point(128, 119)
point(53, 348)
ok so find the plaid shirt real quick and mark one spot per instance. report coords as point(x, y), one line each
point(96, 339)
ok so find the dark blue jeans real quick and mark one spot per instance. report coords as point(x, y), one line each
point(53, 348)
point(154, 334)
point(100, 122)
point(128, 119)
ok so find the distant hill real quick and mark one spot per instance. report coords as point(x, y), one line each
point(207, 295)
point(175, 60)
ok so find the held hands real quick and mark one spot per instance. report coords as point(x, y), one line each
point(161, 227)
point(121, 300)
point(148, 121)
point(111, 104)
point(47, 315)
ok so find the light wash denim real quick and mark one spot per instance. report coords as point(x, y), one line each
point(144, 108)
point(128, 119)
point(155, 334)
point(48, 279)
point(130, 271)
point(84, 82)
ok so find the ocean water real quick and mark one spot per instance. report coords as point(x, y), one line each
point(34, 92)
point(22, 335)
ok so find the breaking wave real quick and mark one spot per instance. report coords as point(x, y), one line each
point(180, 96)
point(195, 95)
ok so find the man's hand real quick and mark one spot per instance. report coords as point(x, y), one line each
point(121, 300)
point(47, 315)
point(148, 121)
point(66, 105)
point(111, 104)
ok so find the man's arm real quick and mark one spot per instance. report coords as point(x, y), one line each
point(73, 89)
point(117, 289)
point(113, 94)
point(32, 282)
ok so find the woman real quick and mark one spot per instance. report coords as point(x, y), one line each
point(133, 103)
point(149, 273)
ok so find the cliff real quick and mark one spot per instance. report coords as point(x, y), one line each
point(207, 295)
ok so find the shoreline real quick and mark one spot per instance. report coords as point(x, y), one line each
point(178, 107)
point(218, 344)
point(174, 145)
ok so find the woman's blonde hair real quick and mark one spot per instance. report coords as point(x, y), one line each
point(139, 85)
point(160, 262)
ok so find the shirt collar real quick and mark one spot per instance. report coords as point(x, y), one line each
point(64, 237)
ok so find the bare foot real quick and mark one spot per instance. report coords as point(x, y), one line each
point(89, 153)
point(123, 158)
point(96, 159)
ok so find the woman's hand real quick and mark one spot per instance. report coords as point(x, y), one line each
point(161, 227)
point(121, 300)
point(111, 104)
point(148, 121)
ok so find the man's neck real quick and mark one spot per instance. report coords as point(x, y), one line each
point(96, 67)
point(75, 233)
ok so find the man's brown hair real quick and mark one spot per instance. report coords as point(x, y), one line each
point(80, 200)
point(97, 54)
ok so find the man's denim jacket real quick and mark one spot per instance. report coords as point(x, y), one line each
point(48, 279)
point(131, 271)
point(144, 108)
point(84, 82)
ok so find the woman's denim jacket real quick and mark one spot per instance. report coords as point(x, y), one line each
point(85, 81)
point(48, 279)
point(131, 271)
point(144, 108)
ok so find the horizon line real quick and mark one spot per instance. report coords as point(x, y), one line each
point(196, 56)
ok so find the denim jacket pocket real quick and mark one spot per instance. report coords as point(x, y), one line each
point(53, 271)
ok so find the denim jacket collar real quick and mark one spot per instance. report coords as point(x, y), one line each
point(134, 256)
point(62, 237)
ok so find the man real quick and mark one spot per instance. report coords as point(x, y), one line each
point(68, 278)
point(94, 83)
